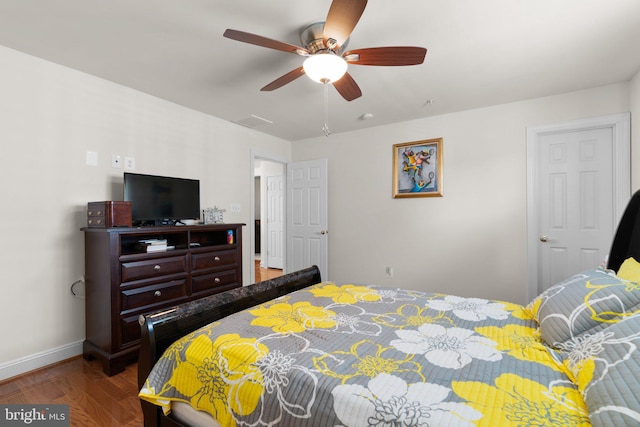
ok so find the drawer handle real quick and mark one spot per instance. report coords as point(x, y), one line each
point(157, 267)
point(216, 258)
point(157, 294)
point(217, 280)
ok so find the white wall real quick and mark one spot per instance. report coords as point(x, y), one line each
point(634, 97)
point(472, 241)
point(50, 116)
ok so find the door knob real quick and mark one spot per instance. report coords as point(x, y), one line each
point(324, 231)
point(544, 239)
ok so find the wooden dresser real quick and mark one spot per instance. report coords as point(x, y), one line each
point(125, 279)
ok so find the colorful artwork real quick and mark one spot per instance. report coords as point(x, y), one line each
point(417, 168)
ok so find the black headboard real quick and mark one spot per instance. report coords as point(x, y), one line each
point(626, 242)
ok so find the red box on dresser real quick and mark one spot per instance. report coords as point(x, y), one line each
point(109, 214)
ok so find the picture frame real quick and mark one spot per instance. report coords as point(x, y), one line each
point(213, 215)
point(417, 169)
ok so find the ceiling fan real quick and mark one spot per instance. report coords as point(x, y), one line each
point(324, 46)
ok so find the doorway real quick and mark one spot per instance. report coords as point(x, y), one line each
point(578, 183)
point(268, 242)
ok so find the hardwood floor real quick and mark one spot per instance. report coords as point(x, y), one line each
point(266, 273)
point(94, 398)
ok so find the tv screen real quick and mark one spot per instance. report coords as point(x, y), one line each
point(160, 200)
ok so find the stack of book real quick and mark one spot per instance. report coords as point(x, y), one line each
point(154, 245)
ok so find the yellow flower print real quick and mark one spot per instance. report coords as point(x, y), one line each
point(518, 311)
point(630, 286)
point(412, 316)
point(533, 308)
point(516, 401)
point(366, 358)
point(608, 316)
point(521, 342)
point(283, 317)
point(213, 383)
point(177, 348)
point(579, 354)
point(345, 294)
point(583, 372)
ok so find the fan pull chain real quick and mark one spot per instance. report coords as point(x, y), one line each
point(325, 128)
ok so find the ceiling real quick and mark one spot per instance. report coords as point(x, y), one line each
point(480, 53)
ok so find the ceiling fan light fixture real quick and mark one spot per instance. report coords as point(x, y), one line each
point(325, 67)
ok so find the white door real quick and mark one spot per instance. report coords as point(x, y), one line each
point(307, 216)
point(275, 222)
point(577, 174)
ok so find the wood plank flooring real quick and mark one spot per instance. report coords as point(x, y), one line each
point(94, 398)
point(266, 273)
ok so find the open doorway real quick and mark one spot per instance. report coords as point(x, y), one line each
point(268, 218)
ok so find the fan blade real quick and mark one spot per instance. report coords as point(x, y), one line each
point(281, 81)
point(341, 20)
point(257, 40)
point(347, 87)
point(398, 55)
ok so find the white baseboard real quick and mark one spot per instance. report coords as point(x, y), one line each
point(39, 360)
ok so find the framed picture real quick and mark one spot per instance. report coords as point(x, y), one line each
point(213, 215)
point(417, 169)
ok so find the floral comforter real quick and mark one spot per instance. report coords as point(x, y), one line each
point(356, 355)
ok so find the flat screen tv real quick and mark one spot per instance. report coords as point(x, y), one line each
point(161, 200)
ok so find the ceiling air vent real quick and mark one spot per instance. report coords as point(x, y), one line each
point(253, 121)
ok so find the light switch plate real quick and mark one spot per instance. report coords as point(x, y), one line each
point(129, 163)
point(92, 158)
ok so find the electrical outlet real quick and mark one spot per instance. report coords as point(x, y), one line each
point(116, 161)
point(389, 271)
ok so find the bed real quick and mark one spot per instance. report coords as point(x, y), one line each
point(296, 351)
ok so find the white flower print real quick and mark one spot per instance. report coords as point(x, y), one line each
point(584, 347)
point(271, 371)
point(389, 401)
point(388, 295)
point(472, 309)
point(447, 347)
point(274, 367)
point(351, 319)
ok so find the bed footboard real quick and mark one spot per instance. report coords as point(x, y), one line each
point(160, 329)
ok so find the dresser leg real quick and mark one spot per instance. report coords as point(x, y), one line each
point(112, 364)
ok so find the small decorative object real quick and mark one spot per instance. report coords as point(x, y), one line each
point(109, 214)
point(213, 215)
point(417, 169)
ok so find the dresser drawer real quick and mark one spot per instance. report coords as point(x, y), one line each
point(135, 270)
point(214, 260)
point(220, 280)
point(152, 294)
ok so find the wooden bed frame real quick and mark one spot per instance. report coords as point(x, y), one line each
point(161, 328)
